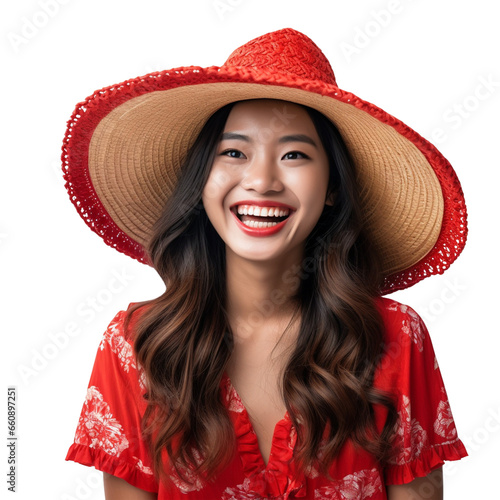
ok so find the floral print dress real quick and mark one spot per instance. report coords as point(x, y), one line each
point(108, 433)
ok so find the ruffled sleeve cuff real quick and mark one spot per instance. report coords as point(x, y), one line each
point(430, 459)
point(135, 474)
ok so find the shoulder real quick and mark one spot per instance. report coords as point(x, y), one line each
point(400, 320)
point(122, 327)
point(117, 343)
point(392, 309)
point(407, 351)
point(406, 344)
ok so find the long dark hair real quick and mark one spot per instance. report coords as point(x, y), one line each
point(183, 340)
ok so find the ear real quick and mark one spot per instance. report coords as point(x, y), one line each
point(330, 199)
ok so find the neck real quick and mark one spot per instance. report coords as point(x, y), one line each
point(259, 294)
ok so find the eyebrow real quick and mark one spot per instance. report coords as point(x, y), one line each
point(284, 139)
point(233, 135)
point(297, 138)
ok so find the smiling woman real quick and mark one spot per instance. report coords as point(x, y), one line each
point(282, 172)
point(278, 210)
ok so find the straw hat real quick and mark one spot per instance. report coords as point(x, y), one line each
point(124, 146)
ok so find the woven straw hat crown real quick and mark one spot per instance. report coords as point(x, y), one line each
point(287, 52)
point(125, 145)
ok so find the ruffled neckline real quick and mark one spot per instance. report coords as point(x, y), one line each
point(280, 477)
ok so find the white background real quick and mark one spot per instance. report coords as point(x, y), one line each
point(424, 62)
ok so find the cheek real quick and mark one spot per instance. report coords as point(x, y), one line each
point(311, 189)
point(219, 184)
point(316, 206)
point(216, 185)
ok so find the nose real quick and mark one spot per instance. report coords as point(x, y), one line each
point(262, 176)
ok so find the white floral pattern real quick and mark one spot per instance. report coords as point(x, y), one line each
point(113, 336)
point(115, 339)
point(97, 428)
point(196, 483)
point(241, 492)
point(311, 472)
point(444, 425)
point(356, 486)
point(233, 401)
point(411, 325)
point(142, 467)
point(410, 438)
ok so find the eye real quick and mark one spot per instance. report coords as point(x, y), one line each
point(295, 155)
point(232, 153)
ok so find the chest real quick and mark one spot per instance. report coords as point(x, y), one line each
point(260, 394)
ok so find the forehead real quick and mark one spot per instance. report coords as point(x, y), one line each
point(275, 114)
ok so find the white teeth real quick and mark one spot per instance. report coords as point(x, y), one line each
point(258, 224)
point(262, 211)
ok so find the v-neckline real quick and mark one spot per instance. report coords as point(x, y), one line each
point(237, 406)
point(280, 476)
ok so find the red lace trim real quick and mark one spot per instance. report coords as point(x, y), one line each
point(89, 113)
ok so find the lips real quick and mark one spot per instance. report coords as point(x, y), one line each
point(261, 218)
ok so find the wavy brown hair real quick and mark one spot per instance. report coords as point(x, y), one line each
point(183, 340)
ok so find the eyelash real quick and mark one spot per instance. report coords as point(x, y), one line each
point(297, 153)
point(225, 153)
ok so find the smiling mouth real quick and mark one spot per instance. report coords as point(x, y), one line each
point(260, 217)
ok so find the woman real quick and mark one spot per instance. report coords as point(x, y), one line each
point(271, 367)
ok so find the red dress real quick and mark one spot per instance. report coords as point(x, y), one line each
point(108, 436)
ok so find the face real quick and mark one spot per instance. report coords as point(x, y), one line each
point(267, 186)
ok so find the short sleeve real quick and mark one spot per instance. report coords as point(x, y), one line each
point(108, 435)
point(425, 434)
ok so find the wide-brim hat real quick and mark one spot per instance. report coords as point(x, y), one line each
point(125, 144)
